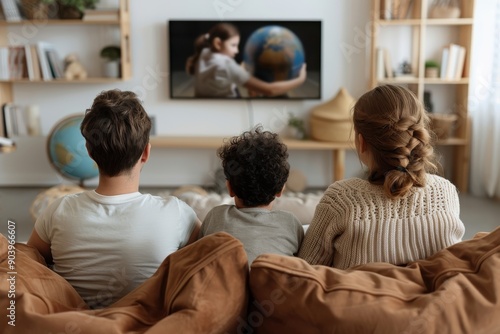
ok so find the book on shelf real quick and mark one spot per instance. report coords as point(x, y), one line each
point(4, 63)
point(17, 62)
point(51, 64)
point(11, 10)
point(380, 65)
point(444, 63)
point(14, 121)
point(389, 73)
point(459, 69)
point(55, 63)
point(452, 62)
point(110, 14)
point(35, 63)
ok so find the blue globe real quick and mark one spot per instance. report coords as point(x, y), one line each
point(67, 152)
point(273, 53)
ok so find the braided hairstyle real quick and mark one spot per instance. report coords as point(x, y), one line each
point(395, 125)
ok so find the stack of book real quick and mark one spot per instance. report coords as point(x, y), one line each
point(38, 61)
point(11, 10)
point(13, 121)
point(384, 64)
point(452, 62)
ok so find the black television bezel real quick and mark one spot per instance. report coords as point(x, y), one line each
point(262, 22)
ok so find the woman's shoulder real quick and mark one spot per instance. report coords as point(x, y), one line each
point(436, 181)
point(353, 185)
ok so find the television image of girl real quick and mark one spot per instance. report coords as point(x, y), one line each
point(218, 75)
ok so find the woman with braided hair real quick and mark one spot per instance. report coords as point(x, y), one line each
point(403, 211)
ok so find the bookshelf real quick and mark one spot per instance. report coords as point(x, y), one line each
point(122, 24)
point(425, 37)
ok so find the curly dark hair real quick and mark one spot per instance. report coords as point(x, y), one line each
point(255, 164)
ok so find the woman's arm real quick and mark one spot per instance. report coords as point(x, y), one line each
point(317, 246)
point(275, 88)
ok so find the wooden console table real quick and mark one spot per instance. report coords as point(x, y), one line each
point(337, 149)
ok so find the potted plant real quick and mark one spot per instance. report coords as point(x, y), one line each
point(72, 9)
point(296, 128)
point(112, 56)
point(431, 69)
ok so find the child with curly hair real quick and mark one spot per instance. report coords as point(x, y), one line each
point(256, 169)
point(402, 213)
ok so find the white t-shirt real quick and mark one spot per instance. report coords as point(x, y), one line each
point(105, 246)
point(217, 75)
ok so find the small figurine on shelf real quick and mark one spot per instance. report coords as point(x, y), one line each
point(73, 69)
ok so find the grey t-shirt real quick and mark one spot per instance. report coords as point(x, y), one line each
point(260, 230)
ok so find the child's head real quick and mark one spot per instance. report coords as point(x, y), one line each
point(222, 37)
point(255, 165)
point(116, 129)
point(393, 126)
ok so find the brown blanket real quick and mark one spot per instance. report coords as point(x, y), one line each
point(457, 290)
point(202, 288)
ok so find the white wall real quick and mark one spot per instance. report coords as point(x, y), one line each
point(344, 63)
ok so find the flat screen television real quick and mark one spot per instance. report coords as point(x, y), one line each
point(270, 51)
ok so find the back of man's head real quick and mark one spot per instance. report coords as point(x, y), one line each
point(116, 129)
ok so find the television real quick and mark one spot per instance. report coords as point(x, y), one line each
point(269, 50)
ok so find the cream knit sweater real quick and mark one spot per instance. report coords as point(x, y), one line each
point(356, 223)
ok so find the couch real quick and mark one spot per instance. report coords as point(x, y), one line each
point(207, 287)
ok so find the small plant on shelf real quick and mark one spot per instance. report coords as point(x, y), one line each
point(111, 53)
point(431, 69)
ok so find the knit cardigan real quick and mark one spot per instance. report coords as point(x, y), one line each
point(356, 223)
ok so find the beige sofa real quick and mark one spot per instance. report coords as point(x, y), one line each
point(206, 287)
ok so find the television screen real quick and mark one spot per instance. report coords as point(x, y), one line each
point(245, 59)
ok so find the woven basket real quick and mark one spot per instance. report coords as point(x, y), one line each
point(443, 124)
point(36, 10)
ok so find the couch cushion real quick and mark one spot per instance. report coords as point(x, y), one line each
point(457, 290)
point(201, 288)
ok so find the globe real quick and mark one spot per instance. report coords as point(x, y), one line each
point(67, 152)
point(273, 53)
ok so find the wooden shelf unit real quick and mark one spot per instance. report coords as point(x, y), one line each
point(337, 149)
point(123, 24)
point(420, 24)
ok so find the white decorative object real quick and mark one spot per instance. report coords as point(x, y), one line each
point(33, 114)
point(111, 69)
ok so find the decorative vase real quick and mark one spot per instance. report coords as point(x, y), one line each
point(431, 72)
point(111, 69)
